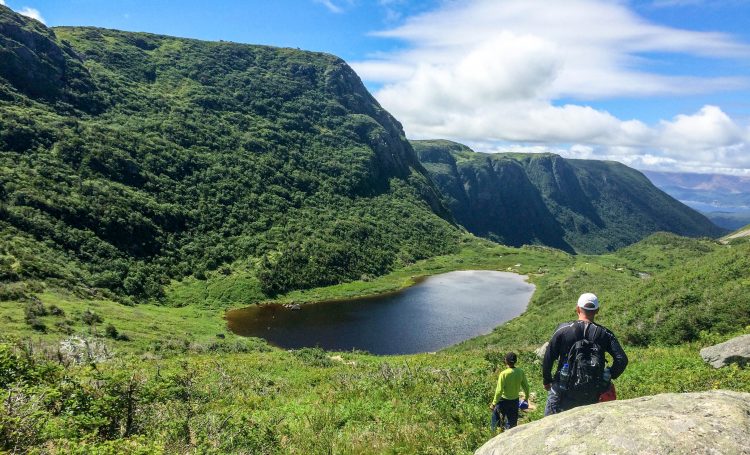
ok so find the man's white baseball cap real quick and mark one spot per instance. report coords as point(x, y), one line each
point(588, 301)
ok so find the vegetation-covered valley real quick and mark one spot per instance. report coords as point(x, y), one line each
point(173, 385)
point(149, 183)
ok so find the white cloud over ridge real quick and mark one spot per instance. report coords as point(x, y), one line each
point(32, 13)
point(486, 72)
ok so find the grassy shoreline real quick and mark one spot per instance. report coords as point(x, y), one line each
point(475, 255)
point(196, 322)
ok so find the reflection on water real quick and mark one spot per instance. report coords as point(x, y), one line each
point(438, 312)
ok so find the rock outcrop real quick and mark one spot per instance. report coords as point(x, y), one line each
point(716, 422)
point(736, 350)
point(542, 350)
point(40, 65)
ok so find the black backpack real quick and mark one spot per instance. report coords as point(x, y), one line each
point(586, 361)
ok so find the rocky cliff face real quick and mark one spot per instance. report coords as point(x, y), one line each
point(490, 196)
point(575, 205)
point(716, 422)
point(39, 65)
point(383, 133)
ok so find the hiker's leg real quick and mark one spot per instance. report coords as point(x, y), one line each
point(554, 401)
point(511, 413)
point(495, 418)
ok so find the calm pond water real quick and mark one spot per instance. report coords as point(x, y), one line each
point(438, 312)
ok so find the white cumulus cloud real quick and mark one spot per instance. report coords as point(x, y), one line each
point(32, 13)
point(486, 71)
point(710, 127)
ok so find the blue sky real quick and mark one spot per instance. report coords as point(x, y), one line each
point(656, 84)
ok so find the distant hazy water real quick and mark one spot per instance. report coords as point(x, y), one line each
point(438, 312)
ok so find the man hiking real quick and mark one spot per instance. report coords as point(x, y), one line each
point(579, 348)
point(505, 402)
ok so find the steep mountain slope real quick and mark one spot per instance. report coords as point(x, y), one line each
point(129, 159)
point(471, 184)
point(574, 205)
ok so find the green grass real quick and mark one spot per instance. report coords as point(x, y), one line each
point(195, 393)
point(144, 324)
point(304, 402)
point(236, 287)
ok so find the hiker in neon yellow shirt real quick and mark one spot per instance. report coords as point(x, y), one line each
point(505, 401)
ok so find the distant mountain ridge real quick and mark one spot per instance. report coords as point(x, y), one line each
point(724, 199)
point(730, 184)
point(576, 205)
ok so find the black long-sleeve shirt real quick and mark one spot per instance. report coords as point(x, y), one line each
point(567, 334)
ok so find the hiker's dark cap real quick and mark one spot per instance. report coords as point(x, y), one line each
point(511, 357)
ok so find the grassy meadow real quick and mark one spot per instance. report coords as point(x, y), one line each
point(173, 385)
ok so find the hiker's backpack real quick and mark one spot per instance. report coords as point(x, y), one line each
point(587, 363)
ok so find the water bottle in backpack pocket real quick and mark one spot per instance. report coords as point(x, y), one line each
point(564, 377)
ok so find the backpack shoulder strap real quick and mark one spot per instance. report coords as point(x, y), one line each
point(596, 335)
point(580, 331)
point(597, 332)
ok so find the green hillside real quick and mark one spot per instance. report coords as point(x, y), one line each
point(128, 160)
point(133, 164)
point(175, 388)
point(191, 176)
point(575, 205)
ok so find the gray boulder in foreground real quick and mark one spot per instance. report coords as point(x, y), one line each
point(715, 422)
point(736, 350)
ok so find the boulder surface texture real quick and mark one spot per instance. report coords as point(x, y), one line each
point(542, 350)
point(736, 350)
point(715, 422)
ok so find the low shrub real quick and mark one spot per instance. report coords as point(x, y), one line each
point(37, 325)
point(111, 332)
point(90, 318)
point(55, 310)
point(314, 357)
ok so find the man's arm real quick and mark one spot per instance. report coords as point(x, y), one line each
point(499, 388)
point(550, 355)
point(619, 358)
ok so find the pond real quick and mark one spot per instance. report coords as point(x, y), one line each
point(438, 312)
